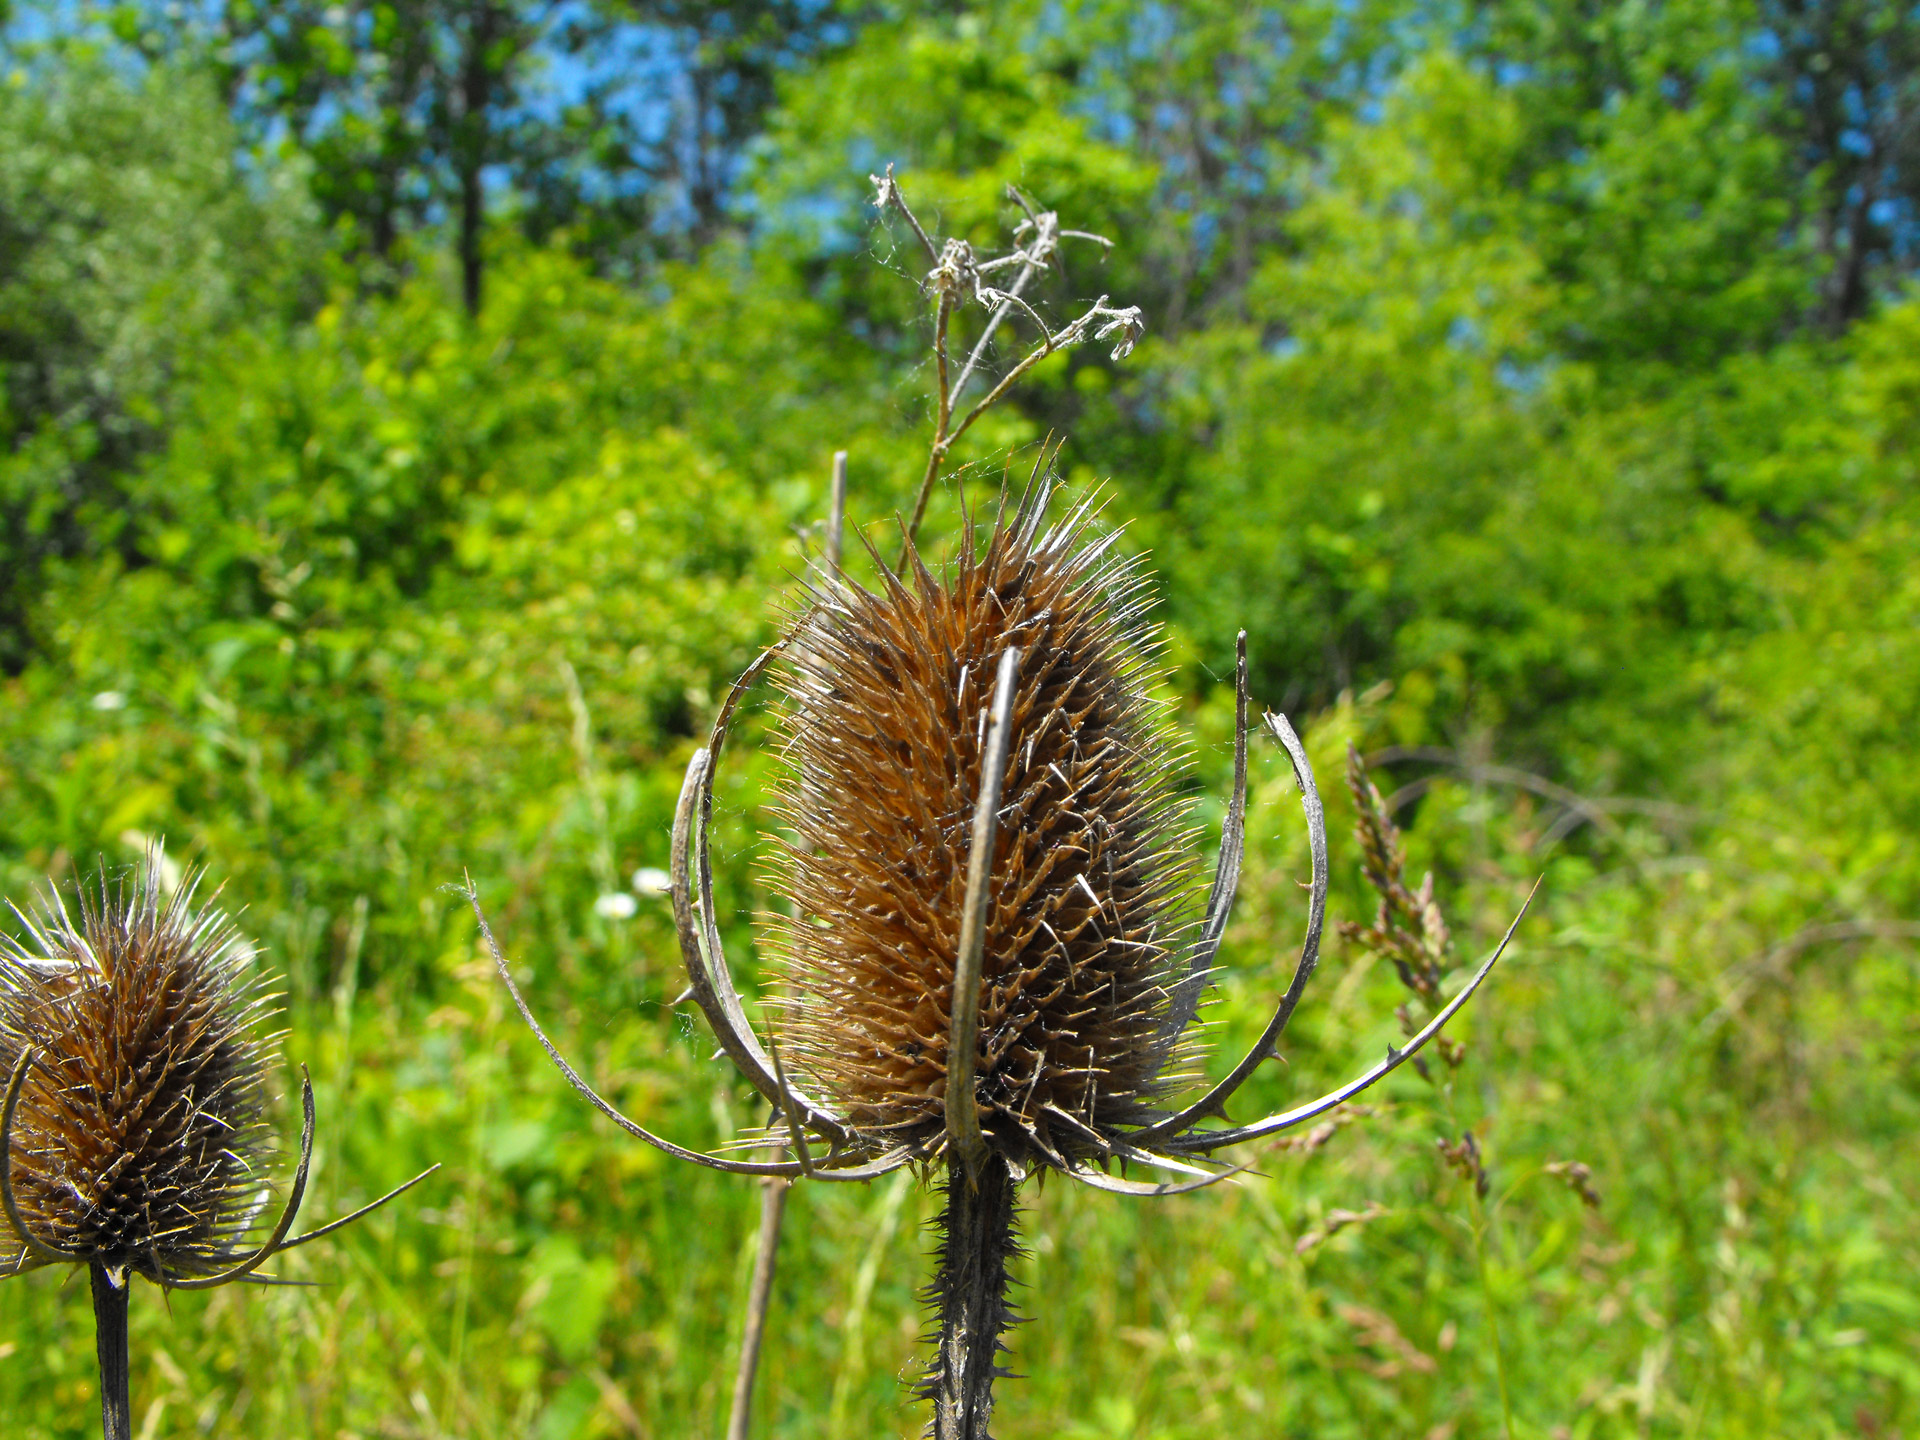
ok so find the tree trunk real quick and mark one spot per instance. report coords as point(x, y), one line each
point(476, 93)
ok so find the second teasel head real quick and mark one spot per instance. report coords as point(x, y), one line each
point(133, 1131)
point(136, 1113)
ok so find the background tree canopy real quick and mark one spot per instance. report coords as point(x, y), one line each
point(413, 414)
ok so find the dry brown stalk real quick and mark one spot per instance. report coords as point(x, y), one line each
point(960, 278)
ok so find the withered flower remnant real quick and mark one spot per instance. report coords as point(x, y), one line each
point(133, 1136)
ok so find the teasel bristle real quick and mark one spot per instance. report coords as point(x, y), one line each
point(138, 1135)
point(886, 696)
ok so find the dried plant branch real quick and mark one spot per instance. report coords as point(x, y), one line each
point(954, 281)
point(1032, 258)
point(1125, 323)
point(888, 194)
point(944, 411)
point(361, 1213)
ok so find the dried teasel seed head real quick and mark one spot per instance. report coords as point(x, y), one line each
point(138, 1130)
point(886, 698)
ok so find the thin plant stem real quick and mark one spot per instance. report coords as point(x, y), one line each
point(1032, 258)
point(1000, 312)
point(836, 512)
point(942, 441)
point(940, 325)
point(1493, 1309)
point(773, 1205)
point(934, 457)
point(944, 438)
point(110, 1344)
point(470, 1238)
point(1478, 1215)
point(943, 416)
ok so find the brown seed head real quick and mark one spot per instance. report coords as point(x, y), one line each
point(138, 1137)
point(885, 717)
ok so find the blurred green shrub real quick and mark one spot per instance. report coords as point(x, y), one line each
point(132, 237)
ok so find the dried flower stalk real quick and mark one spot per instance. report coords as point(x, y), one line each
point(960, 278)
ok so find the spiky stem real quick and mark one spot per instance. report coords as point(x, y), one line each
point(970, 1295)
point(110, 1343)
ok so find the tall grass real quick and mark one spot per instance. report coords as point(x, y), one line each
point(1744, 1275)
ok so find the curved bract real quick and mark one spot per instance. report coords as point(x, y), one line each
point(708, 977)
point(640, 1132)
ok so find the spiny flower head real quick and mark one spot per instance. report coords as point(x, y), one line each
point(138, 1095)
point(885, 720)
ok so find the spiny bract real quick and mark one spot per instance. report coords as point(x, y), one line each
point(138, 1136)
point(885, 718)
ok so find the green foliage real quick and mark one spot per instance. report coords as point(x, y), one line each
point(129, 238)
point(398, 509)
point(1501, 379)
point(611, 126)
